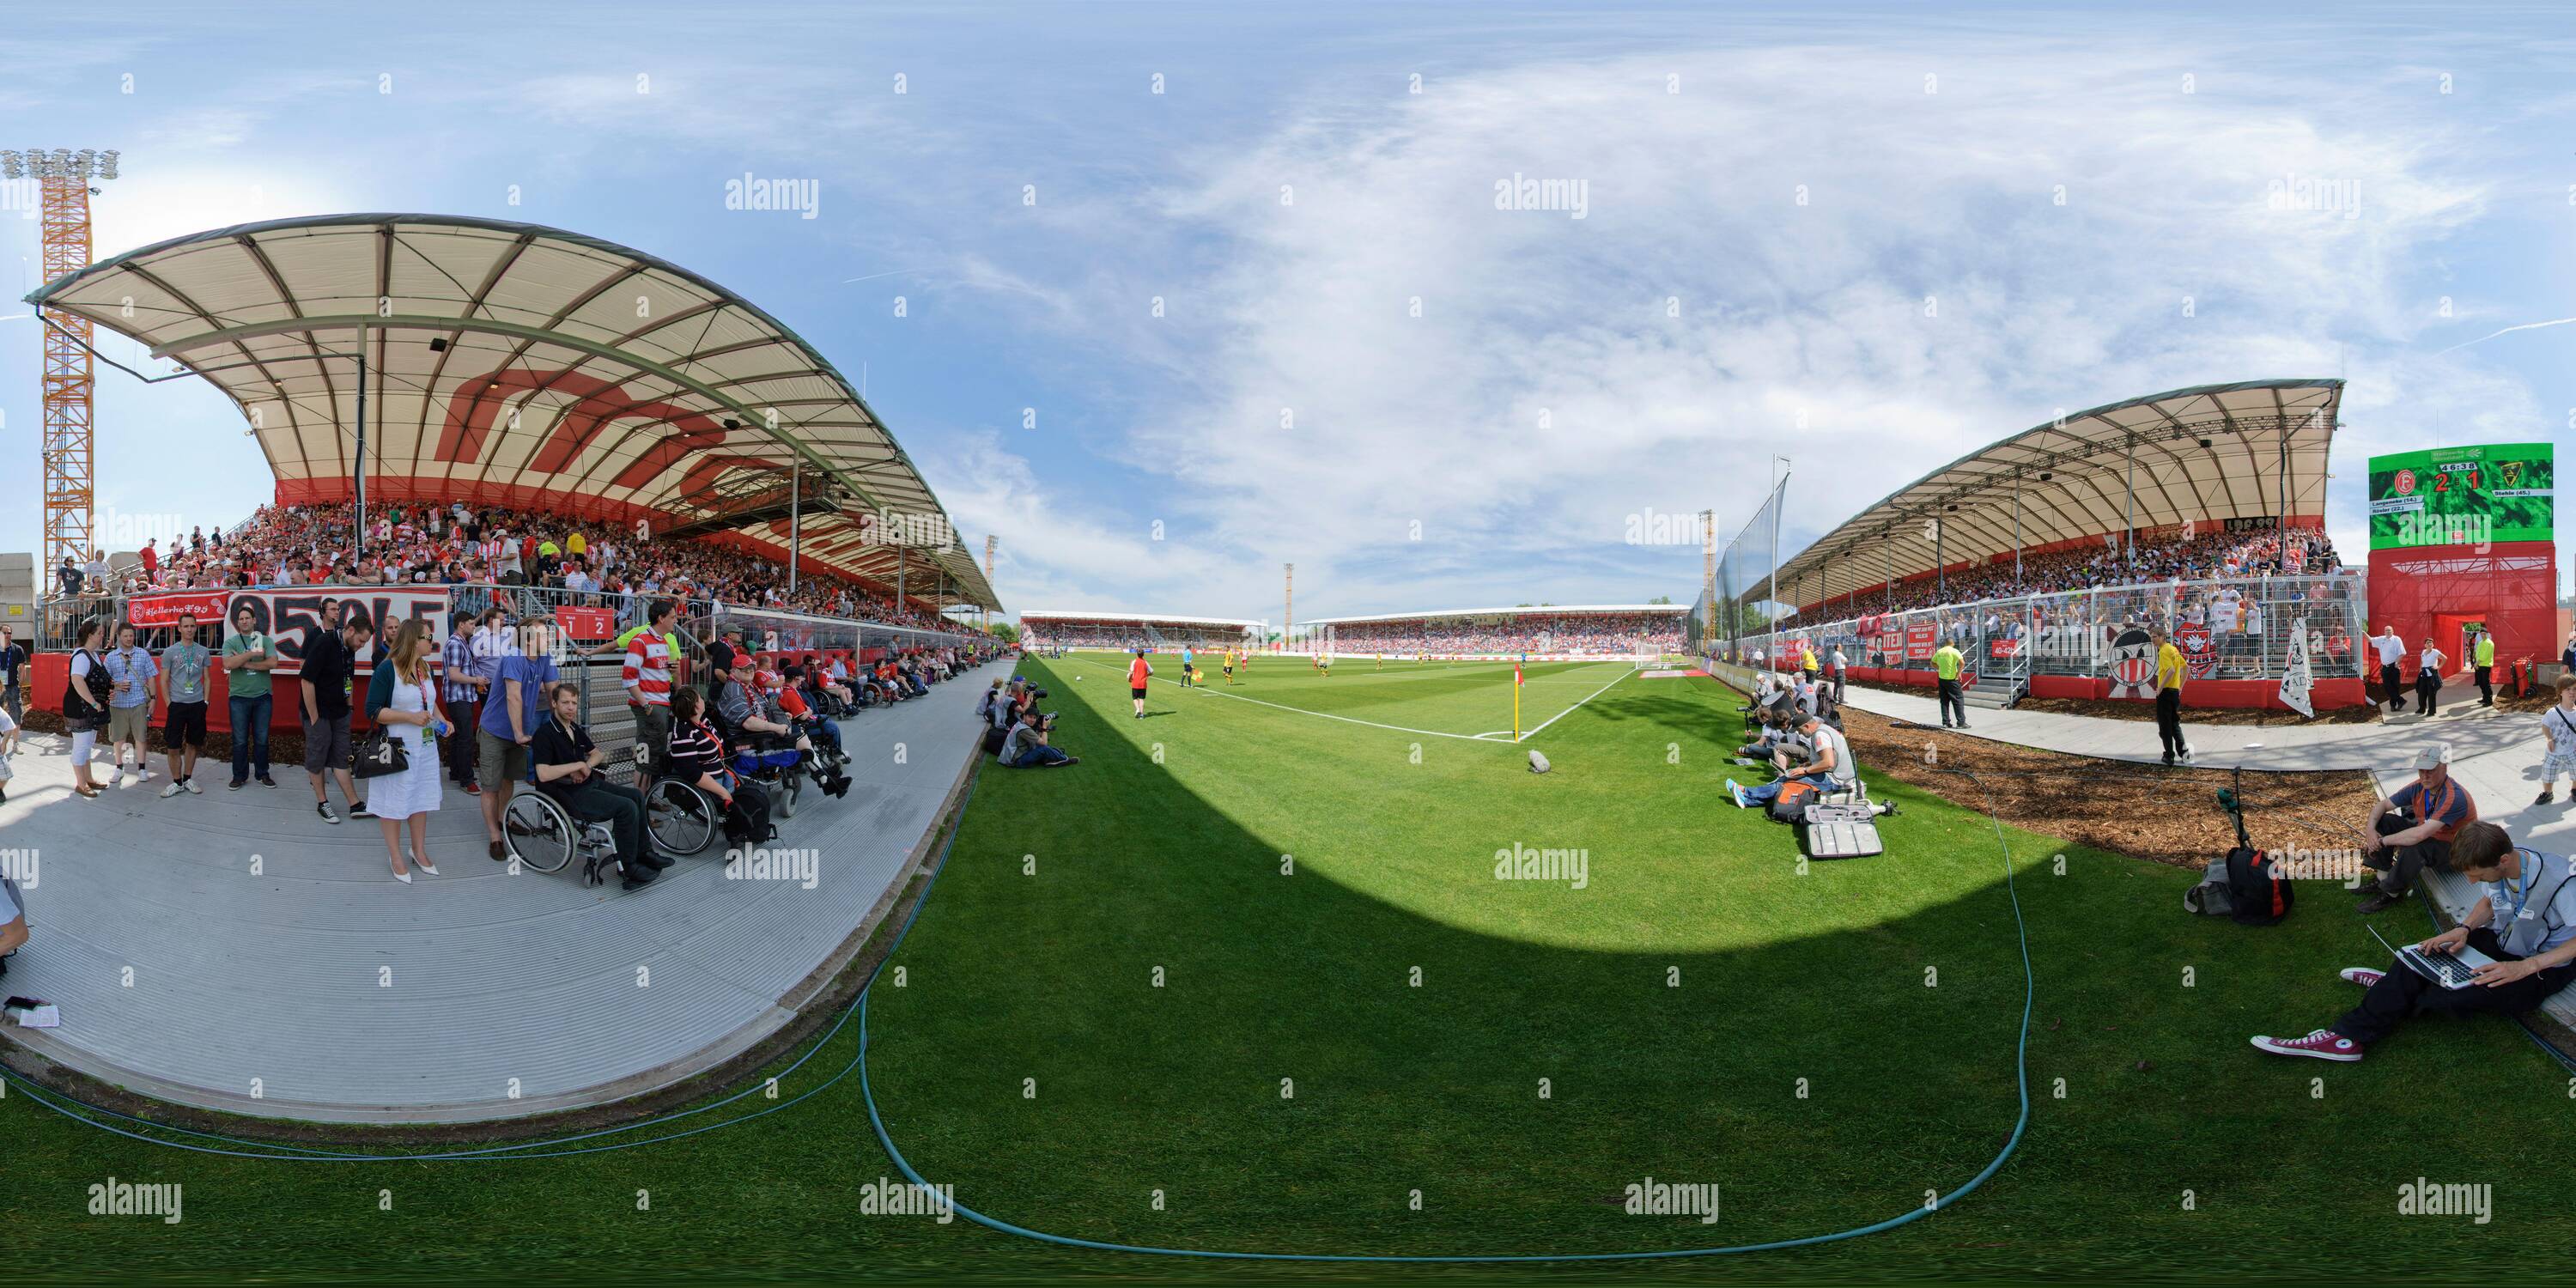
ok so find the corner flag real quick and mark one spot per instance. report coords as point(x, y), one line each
point(1516, 702)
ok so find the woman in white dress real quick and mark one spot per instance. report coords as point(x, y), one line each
point(404, 700)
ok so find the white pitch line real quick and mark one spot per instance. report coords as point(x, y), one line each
point(1577, 706)
point(1434, 733)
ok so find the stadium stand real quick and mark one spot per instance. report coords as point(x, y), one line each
point(292, 545)
point(2047, 557)
point(1152, 631)
point(1582, 631)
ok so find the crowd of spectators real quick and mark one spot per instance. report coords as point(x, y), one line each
point(1600, 634)
point(1126, 635)
point(2185, 557)
point(420, 544)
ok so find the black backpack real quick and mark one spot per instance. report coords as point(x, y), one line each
point(74, 708)
point(2257, 895)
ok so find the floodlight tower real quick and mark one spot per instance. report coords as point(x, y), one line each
point(64, 178)
point(1708, 571)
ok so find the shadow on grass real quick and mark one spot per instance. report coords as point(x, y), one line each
point(1119, 990)
point(1131, 1019)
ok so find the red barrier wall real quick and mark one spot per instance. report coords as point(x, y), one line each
point(53, 673)
point(2513, 586)
point(2239, 694)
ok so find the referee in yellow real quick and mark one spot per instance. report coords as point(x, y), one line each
point(2169, 699)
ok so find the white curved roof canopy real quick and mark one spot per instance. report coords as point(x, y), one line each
point(510, 363)
point(1083, 615)
point(2204, 455)
point(1521, 610)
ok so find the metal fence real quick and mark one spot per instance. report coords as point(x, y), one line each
point(59, 617)
point(2229, 628)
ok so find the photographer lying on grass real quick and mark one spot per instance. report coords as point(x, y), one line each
point(2526, 921)
point(1026, 746)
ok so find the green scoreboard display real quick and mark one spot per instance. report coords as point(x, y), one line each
point(2462, 496)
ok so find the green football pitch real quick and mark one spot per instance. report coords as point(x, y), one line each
point(1250, 978)
point(1440, 699)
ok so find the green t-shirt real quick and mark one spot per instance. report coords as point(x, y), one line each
point(2484, 653)
point(248, 683)
point(1945, 663)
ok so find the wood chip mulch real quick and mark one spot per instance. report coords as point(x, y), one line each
point(2168, 816)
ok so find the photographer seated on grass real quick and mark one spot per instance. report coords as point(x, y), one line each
point(2525, 920)
point(1829, 768)
point(1768, 738)
point(1026, 747)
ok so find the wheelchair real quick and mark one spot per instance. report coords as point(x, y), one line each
point(544, 836)
point(764, 759)
point(679, 820)
point(680, 817)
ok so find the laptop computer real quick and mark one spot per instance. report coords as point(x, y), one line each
point(2450, 970)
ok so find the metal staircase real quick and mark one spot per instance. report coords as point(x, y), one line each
point(1993, 692)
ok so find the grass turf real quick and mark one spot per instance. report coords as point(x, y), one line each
point(1451, 699)
point(1673, 1004)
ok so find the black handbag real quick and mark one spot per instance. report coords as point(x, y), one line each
point(379, 754)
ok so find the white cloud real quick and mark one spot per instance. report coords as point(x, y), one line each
point(1931, 295)
point(1054, 554)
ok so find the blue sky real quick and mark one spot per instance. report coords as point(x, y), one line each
point(1358, 364)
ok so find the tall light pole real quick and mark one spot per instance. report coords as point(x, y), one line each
point(1708, 571)
point(69, 442)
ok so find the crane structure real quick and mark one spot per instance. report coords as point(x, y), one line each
point(989, 541)
point(63, 180)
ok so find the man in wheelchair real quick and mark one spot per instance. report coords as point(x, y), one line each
point(696, 756)
point(824, 692)
point(804, 707)
point(752, 720)
point(567, 768)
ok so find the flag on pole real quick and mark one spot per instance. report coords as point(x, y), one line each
point(1516, 702)
point(2297, 679)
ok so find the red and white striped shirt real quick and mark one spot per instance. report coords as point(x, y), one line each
point(648, 670)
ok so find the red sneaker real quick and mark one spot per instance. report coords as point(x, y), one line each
point(2324, 1044)
point(474, 789)
point(2362, 975)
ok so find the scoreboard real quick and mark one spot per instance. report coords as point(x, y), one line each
point(2463, 496)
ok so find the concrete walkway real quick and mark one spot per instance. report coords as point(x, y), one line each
point(233, 951)
point(2472, 731)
